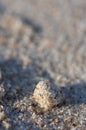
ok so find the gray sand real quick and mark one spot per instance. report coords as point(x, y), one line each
point(43, 39)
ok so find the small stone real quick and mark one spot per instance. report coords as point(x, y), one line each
point(1, 108)
point(2, 91)
point(56, 120)
point(47, 96)
point(2, 116)
point(6, 125)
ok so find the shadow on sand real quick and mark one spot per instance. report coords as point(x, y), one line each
point(13, 75)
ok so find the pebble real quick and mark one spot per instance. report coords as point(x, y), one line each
point(2, 91)
point(2, 116)
point(46, 96)
point(6, 125)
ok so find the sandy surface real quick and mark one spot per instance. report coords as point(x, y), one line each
point(42, 39)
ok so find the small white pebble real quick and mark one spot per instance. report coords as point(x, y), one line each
point(46, 96)
point(2, 91)
point(1, 108)
point(2, 116)
point(6, 125)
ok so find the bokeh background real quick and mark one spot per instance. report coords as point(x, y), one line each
point(50, 32)
point(57, 18)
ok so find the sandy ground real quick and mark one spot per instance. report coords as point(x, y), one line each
point(42, 39)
